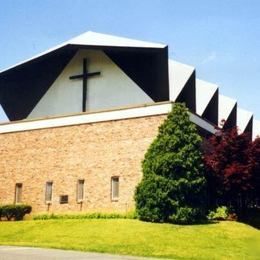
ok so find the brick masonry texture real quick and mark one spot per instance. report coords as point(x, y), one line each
point(94, 152)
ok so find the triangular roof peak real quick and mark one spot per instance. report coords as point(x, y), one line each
point(226, 106)
point(256, 129)
point(100, 39)
point(90, 38)
point(243, 119)
point(179, 74)
point(204, 93)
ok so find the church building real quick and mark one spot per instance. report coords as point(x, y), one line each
point(80, 117)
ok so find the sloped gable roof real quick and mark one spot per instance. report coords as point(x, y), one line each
point(95, 39)
point(24, 84)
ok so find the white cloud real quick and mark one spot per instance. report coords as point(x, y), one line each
point(211, 57)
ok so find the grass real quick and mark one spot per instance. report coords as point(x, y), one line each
point(224, 240)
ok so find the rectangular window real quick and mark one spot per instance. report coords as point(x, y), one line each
point(80, 190)
point(18, 192)
point(48, 191)
point(114, 188)
point(64, 199)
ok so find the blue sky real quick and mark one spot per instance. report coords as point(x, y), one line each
point(220, 38)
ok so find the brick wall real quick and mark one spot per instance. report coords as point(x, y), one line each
point(94, 152)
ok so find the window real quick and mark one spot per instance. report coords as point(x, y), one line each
point(64, 199)
point(18, 192)
point(48, 192)
point(80, 190)
point(114, 188)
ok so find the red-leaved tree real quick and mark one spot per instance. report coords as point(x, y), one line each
point(229, 175)
point(254, 165)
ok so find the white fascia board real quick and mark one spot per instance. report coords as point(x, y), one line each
point(94, 117)
point(179, 74)
point(225, 106)
point(204, 93)
point(243, 118)
point(256, 129)
point(95, 39)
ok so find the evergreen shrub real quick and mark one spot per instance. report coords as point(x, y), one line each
point(14, 211)
point(221, 213)
point(173, 184)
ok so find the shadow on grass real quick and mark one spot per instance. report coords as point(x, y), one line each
point(252, 218)
point(198, 222)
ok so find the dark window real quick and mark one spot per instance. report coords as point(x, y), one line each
point(64, 199)
point(48, 191)
point(114, 188)
point(80, 190)
point(18, 192)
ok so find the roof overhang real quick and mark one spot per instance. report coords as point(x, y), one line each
point(24, 84)
point(95, 40)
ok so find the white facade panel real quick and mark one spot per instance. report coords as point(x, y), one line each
point(112, 88)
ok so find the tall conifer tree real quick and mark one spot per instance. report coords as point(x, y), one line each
point(173, 184)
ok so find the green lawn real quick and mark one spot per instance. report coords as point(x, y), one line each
point(224, 240)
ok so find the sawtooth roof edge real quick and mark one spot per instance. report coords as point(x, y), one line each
point(182, 64)
point(179, 74)
point(204, 93)
point(243, 119)
point(256, 129)
point(90, 38)
point(226, 105)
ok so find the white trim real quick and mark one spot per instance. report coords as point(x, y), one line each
point(127, 113)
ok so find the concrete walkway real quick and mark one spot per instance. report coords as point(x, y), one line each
point(30, 253)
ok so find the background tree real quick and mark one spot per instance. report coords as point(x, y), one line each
point(173, 184)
